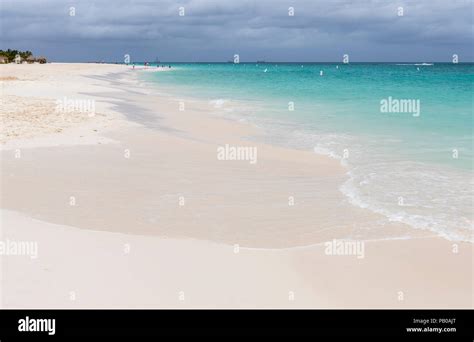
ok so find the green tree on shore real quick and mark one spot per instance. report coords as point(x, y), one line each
point(11, 54)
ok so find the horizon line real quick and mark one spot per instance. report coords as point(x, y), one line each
point(264, 62)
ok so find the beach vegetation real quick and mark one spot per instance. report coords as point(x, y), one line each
point(9, 56)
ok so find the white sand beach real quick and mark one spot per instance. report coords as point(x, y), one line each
point(130, 207)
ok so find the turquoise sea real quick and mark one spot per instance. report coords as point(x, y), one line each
point(412, 166)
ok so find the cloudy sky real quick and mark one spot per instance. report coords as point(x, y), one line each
point(215, 30)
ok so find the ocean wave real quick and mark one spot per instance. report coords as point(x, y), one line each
point(217, 103)
point(424, 199)
point(424, 64)
point(435, 198)
point(423, 196)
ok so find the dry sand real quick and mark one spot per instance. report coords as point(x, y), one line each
point(131, 208)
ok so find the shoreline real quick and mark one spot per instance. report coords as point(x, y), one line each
point(359, 182)
point(176, 156)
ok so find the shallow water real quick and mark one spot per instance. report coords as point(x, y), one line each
point(413, 164)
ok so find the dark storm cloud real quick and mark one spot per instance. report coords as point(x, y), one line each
point(429, 30)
